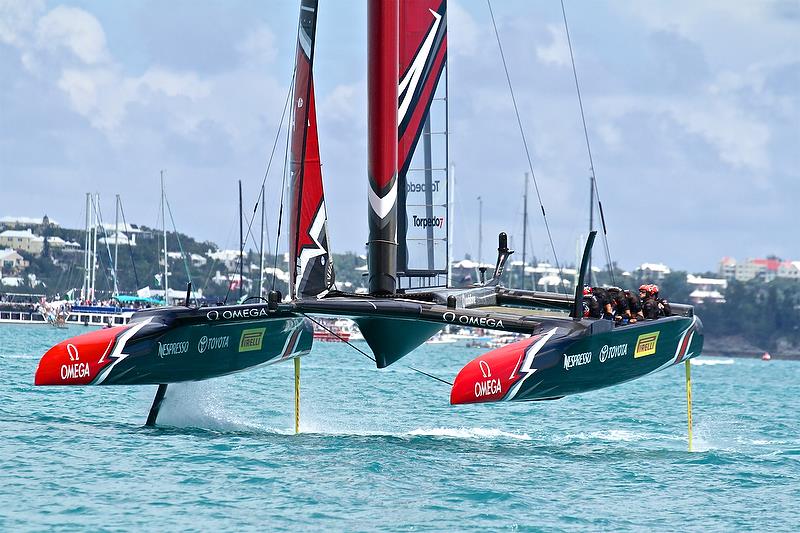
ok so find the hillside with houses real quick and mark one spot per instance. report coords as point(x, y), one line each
point(748, 306)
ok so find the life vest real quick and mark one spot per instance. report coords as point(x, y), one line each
point(592, 306)
point(634, 303)
point(664, 309)
point(650, 308)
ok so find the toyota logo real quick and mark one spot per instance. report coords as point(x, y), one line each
point(212, 315)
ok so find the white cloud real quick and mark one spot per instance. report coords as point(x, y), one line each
point(258, 46)
point(740, 140)
point(463, 34)
point(73, 29)
point(17, 18)
point(174, 84)
point(557, 52)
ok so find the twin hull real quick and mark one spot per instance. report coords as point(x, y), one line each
point(557, 362)
point(177, 344)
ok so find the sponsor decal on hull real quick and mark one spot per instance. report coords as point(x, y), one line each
point(578, 359)
point(251, 340)
point(228, 314)
point(612, 352)
point(212, 343)
point(646, 344)
point(172, 348)
point(489, 386)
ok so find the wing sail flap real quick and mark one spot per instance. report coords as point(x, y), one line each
point(311, 268)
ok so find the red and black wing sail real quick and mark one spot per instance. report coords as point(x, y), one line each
point(311, 269)
point(422, 166)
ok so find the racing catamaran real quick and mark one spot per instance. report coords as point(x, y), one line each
point(409, 299)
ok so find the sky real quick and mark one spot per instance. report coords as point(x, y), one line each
point(692, 110)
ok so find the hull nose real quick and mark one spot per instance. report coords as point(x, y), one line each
point(77, 361)
point(489, 377)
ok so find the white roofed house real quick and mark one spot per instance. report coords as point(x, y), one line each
point(654, 271)
point(121, 238)
point(706, 290)
point(24, 240)
point(11, 261)
point(789, 270)
point(230, 258)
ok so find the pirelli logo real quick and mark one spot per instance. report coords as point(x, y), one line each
point(251, 340)
point(646, 344)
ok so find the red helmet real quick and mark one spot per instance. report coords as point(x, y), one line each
point(587, 290)
point(644, 288)
point(653, 289)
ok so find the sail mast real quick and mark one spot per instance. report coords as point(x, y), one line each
point(241, 243)
point(384, 46)
point(116, 245)
point(86, 264)
point(164, 227)
point(524, 230)
point(95, 201)
point(261, 248)
point(480, 230)
point(591, 222)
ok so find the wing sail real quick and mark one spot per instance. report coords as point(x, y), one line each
point(311, 269)
point(422, 166)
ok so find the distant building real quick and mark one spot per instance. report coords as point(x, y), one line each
point(653, 270)
point(11, 261)
point(706, 289)
point(24, 240)
point(789, 269)
point(765, 270)
point(27, 222)
point(121, 238)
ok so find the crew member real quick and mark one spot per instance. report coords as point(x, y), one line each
point(664, 309)
point(650, 308)
point(592, 308)
point(604, 301)
point(634, 306)
point(619, 305)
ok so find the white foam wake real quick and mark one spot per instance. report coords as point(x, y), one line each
point(711, 362)
point(468, 433)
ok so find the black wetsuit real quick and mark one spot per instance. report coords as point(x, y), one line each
point(634, 303)
point(650, 308)
point(619, 303)
point(593, 306)
point(603, 299)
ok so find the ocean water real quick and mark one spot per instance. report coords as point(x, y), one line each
point(384, 450)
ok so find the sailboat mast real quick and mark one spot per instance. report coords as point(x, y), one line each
point(241, 243)
point(116, 244)
point(524, 230)
point(95, 201)
point(164, 226)
point(85, 287)
point(261, 248)
point(480, 230)
point(591, 223)
point(384, 53)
